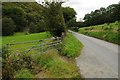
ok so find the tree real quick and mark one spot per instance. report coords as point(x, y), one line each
point(103, 15)
point(87, 17)
point(71, 23)
point(22, 14)
point(32, 28)
point(68, 13)
point(8, 26)
point(18, 15)
point(54, 18)
point(41, 26)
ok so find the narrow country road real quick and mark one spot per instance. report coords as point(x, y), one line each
point(98, 59)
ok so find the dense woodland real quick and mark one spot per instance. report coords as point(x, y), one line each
point(28, 17)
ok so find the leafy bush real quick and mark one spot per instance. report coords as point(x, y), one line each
point(4, 51)
point(82, 30)
point(8, 26)
point(14, 63)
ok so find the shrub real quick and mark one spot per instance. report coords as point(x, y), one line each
point(81, 30)
point(13, 63)
point(54, 18)
point(8, 26)
point(4, 52)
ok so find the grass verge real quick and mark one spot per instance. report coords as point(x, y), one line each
point(54, 66)
point(72, 46)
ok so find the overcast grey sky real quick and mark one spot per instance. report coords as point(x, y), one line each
point(83, 7)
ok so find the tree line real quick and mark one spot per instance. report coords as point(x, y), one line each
point(103, 15)
point(34, 18)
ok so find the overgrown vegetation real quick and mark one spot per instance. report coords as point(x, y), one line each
point(48, 65)
point(108, 32)
point(55, 66)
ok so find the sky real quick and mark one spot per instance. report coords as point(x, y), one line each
point(83, 7)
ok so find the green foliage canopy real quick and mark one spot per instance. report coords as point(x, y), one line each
point(54, 18)
point(8, 26)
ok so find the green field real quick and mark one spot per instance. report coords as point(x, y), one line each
point(107, 32)
point(20, 37)
point(48, 65)
point(18, 48)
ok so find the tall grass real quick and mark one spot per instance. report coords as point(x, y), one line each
point(54, 66)
point(72, 46)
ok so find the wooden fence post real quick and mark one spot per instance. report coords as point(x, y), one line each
point(62, 45)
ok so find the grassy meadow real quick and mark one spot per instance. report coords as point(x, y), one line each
point(21, 37)
point(107, 32)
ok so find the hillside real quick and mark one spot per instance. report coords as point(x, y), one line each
point(108, 32)
point(22, 16)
